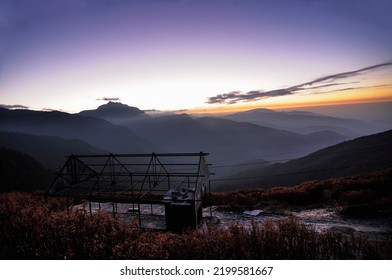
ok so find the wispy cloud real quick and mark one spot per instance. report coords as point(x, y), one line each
point(319, 83)
point(13, 106)
point(352, 88)
point(108, 99)
point(345, 75)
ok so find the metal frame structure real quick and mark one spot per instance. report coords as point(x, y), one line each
point(176, 181)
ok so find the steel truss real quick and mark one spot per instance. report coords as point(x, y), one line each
point(175, 180)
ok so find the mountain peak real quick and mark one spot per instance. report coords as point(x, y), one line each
point(119, 106)
point(113, 103)
point(114, 110)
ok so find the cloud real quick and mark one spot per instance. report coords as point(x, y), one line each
point(108, 99)
point(225, 96)
point(13, 106)
point(346, 75)
point(319, 83)
point(352, 88)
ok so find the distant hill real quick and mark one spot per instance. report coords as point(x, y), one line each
point(115, 112)
point(50, 151)
point(95, 131)
point(374, 111)
point(364, 154)
point(306, 122)
point(20, 172)
point(226, 140)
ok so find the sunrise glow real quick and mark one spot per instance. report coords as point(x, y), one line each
point(187, 55)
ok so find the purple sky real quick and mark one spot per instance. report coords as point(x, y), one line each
point(170, 55)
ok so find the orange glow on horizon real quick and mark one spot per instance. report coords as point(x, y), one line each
point(350, 97)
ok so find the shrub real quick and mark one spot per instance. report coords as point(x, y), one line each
point(32, 228)
point(371, 191)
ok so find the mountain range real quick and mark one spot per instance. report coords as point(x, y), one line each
point(234, 140)
point(307, 122)
point(49, 151)
point(360, 155)
point(95, 131)
point(226, 140)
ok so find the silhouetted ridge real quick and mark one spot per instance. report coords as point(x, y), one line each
point(50, 151)
point(226, 140)
point(364, 154)
point(20, 172)
point(114, 110)
point(307, 122)
point(97, 132)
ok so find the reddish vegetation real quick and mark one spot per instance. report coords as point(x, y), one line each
point(34, 229)
point(366, 196)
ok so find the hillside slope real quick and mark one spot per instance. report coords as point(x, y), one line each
point(364, 154)
point(50, 151)
point(20, 172)
point(95, 131)
point(305, 122)
point(224, 139)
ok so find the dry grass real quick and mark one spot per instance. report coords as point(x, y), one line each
point(360, 196)
point(34, 229)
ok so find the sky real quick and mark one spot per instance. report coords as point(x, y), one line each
point(194, 55)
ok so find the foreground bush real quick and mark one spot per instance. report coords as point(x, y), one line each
point(34, 229)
